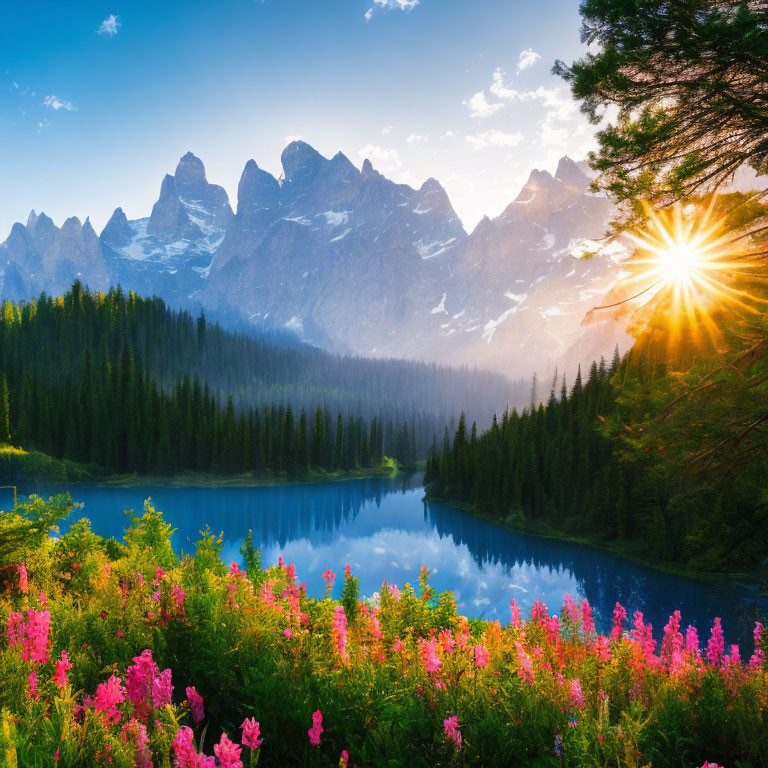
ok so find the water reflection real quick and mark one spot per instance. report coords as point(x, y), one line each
point(385, 531)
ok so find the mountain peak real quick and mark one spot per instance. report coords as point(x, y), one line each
point(117, 232)
point(190, 171)
point(367, 168)
point(257, 188)
point(300, 160)
point(570, 174)
point(31, 219)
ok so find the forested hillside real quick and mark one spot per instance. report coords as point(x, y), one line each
point(123, 383)
point(663, 455)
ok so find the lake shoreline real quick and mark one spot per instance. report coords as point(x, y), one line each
point(246, 480)
point(750, 581)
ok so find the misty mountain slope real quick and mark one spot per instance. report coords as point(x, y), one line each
point(350, 261)
point(337, 254)
point(40, 256)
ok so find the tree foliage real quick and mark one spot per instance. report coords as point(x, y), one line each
point(689, 79)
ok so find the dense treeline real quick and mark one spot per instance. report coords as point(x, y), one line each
point(75, 384)
point(636, 454)
point(172, 344)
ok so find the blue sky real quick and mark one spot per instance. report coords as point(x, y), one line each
point(99, 99)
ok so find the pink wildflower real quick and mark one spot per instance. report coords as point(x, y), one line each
point(570, 609)
point(316, 729)
point(32, 693)
point(177, 594)
point(756, 662)
point(329, 577)
point(266, 593)
point(162, 689)
point(23, 581)
point(234, 570)
point(344, 759)
point(481, 656)
point(397, 646)
point(447, 642)
point(692, 641)
point(108, 696)
point(184, 751)
point(673, 640)
point(394, 590)
point(428, 652)
point(288, 633)
point(195, 704)
point(539, 612)
point(451, 728)
point(575, 694)
point(159, 573)
point(603, 648)
point(138, 732)
point(516, 612)
point(62, 667)
point(228, 753)
point(251, 734)
point(552, 625)
point(347, 571)
point(716, 644)
point(31, 634)
point(524, 664)
point(43, 600)
point(339, 631)
point(619, 615)
point(588, 623)
point(139, 677)
point(642, 634)
point(375, 626)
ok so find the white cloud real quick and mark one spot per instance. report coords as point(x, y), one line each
point(527, 58)
point(400, 5)
point(109, 26)
point(384, 160)
point(414, 138)
point(290, 139)
point(500, 89)
point(387, 129)
point(480, 108)
point(494, 138)
point(55, 103)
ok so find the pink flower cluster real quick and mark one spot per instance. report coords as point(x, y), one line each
point(339, 630)
point(195, 704)
point(316, 730)
point(31, 634)
point(251, 734)
point(451, 728)
point(108, 696)
point(145, 684)
point(330, 578)
point(62, 667)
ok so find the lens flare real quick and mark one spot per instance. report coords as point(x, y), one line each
point(689, 264)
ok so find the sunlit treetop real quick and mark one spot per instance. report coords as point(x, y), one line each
point(684, 84)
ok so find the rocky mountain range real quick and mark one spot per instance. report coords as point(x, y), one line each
point(351, 261)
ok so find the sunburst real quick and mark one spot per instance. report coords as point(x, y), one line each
point(689, 263)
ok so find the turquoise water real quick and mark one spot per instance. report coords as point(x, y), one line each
point(385, 531)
